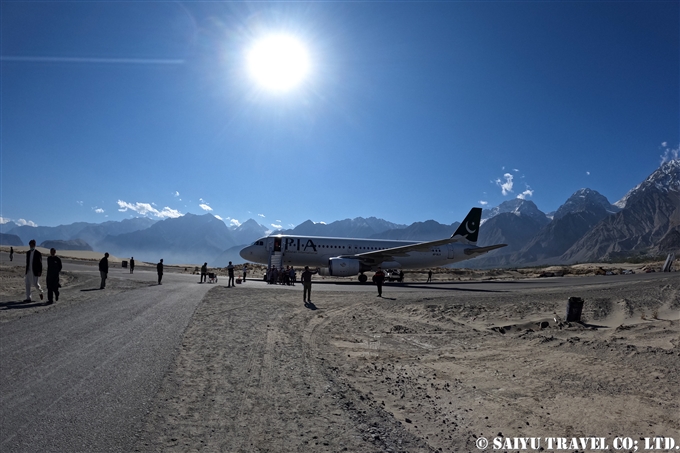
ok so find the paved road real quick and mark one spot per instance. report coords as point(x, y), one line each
point(79, 379)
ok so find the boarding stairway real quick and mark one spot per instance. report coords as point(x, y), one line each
point(275, 260)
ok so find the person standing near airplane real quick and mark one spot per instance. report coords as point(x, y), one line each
point(52, 278)
point(245, 271)
point(379, 278)
point(11, 253)
point(33, 270)
point(429, 276)
point(159, 269)
point(230, 272)
point(132, 264)
point(307, 284)
point(104, 269)
point(204, 272)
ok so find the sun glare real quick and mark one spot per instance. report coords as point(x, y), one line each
point(278, 62)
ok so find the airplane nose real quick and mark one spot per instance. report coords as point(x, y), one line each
point(244, 253)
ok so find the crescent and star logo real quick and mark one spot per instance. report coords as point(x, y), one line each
point(467, 227)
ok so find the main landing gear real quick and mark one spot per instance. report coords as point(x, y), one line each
point(363, 278)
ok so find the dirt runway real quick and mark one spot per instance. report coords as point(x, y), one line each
point(260, 372)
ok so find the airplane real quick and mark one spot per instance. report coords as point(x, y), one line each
point(346, 257)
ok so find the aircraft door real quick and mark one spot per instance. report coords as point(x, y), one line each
point(450, 247)
point(277, 244)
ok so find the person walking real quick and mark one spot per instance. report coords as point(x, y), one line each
point(245, 271)
point(33, 270)
point(104, 269)
point(230, 271)
point(132, 264)
point(159, 269)
point(52, 278)
point(429, 276)
point(379, 279)
point(307, 284)
point(11, 253)
point(204, 272)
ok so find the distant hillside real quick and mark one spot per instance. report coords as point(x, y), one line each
point(184, 240)
point(648, 223)
point(72, 244)
point(356, 228)
point(10, 239)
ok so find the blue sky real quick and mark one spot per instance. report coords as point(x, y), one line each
point(410, 111)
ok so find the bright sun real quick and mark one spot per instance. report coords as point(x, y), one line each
point(278, 62)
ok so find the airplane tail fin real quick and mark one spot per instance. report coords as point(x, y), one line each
point(469, 228)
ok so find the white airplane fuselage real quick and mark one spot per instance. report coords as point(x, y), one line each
point(344, 257)
point(314, 251)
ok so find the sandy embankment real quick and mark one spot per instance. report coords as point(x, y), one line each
point(431, 371)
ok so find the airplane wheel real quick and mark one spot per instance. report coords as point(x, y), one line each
point(363, 278)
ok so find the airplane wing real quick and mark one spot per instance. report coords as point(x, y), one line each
point(404, 250)
point(390, 254)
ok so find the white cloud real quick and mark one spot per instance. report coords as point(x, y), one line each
point(483, 203)
point(22, 222)
point(277, 227)
point(588, 173)
point(205, 207)
point(506, 187)
point(261, 215)
point(669, 154)
point(218, 217)
point(79, 202)
point(147, 209)
point(176, 194)
point(664, 144)
point(98, 210)
point(4, 220)
point(525, 194)
point(235, 222)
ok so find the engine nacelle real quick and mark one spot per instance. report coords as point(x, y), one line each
point(343, 267)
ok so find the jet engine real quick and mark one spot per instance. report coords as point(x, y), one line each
point(344, 267)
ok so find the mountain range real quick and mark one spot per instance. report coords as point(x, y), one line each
point(587, 227)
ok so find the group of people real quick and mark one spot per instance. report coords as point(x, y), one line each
point(287, 276)
point(104, 269)
point(34, 268)
point(230, 274)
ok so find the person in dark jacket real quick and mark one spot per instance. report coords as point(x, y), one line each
point(132, 264)
point(307, 284)
point(52, 279)
point(230, 272)
point(159, 269)
point(33, 270)
point(11, 253)
point(204, 272)
point(379, 278)
point(104, 269)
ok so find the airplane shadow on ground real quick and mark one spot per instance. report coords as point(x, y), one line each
point(20, 305)
point(592, 326)
point(438, 286)
point(92, 289)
